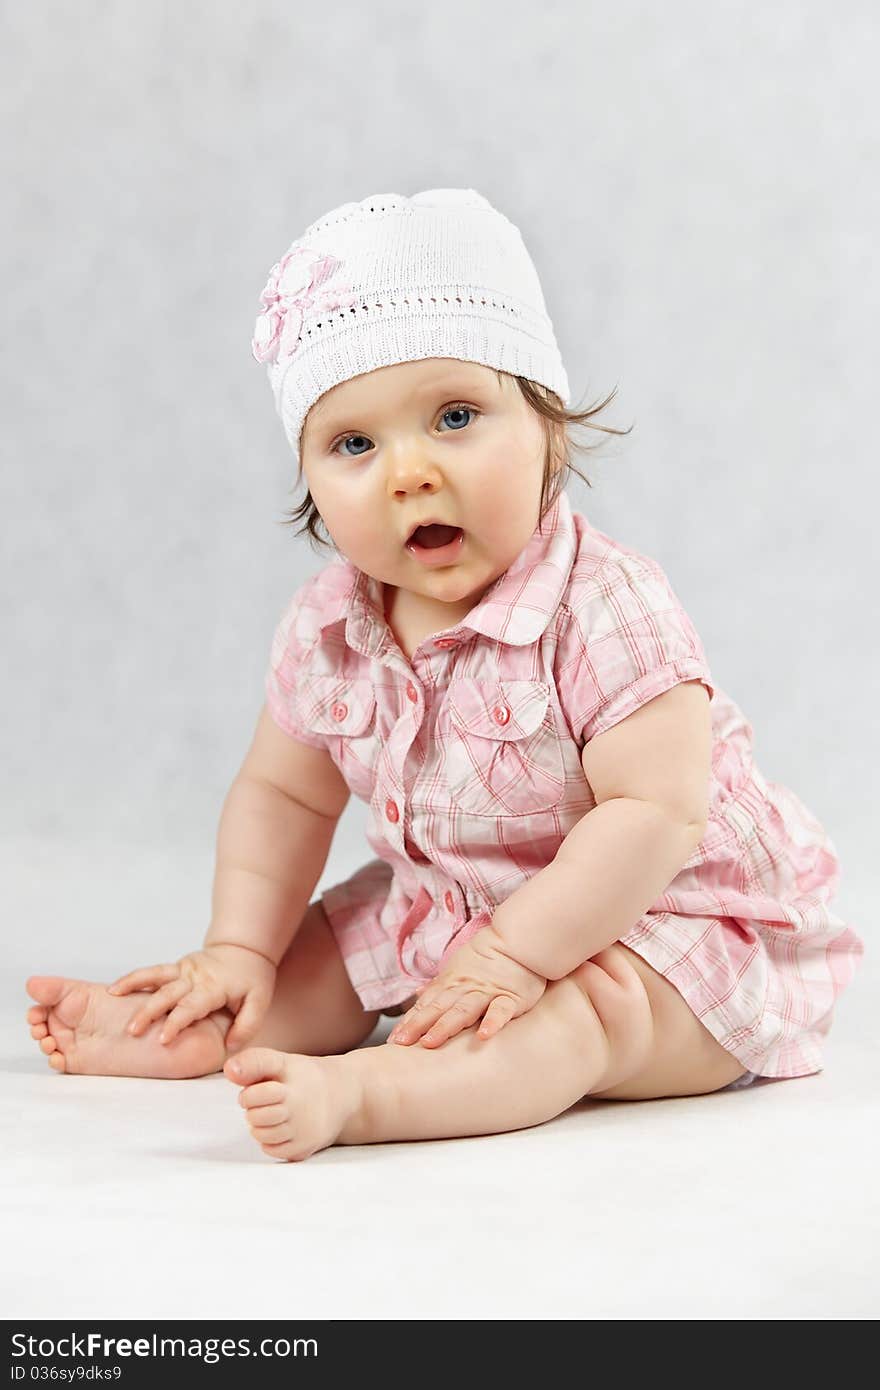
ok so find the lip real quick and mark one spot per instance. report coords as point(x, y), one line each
point(438, 555)
point(427, 521)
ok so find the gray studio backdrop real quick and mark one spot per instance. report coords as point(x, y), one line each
point(697, 186)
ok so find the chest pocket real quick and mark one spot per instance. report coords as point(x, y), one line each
point(503, 755)
point(345, 710)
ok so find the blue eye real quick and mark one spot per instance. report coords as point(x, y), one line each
point(345, 441)
point(457, 409)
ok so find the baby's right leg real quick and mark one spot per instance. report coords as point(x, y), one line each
point(314, 1010)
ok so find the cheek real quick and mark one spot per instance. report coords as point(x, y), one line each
point(508, 497)
point(355, 537)
point(353, 525)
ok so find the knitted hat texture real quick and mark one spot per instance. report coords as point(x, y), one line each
point(394, 279)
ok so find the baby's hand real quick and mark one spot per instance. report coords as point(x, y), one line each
point(480, 981)
point(218, 976)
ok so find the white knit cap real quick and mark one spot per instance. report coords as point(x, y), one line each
point(394, 279)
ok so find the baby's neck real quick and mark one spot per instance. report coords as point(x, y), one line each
point(412, 617)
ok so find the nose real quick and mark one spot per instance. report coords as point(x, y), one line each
point(409, 471)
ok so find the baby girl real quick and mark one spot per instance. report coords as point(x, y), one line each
point(582, 885)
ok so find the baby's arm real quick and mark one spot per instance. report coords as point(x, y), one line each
point(650, 775)
point(275, 832)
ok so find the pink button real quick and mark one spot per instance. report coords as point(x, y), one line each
point(411, 692)
point(339, 711)
point(391, 811)
point(450, 905)
point(501, 714)
point(446, 641)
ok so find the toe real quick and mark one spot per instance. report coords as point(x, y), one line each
point(270, 1134)
point(255, 1064)
point(46, 989)
point(272, 1145)
point(38, 1030)
point(289, 1151)
point(37, 1013)
point(264, 1093)
point(68, 999)
point(56, 1061)
point(267, 1116)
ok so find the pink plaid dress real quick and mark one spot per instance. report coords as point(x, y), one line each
point(469, 759)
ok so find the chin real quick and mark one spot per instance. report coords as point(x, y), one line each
point(452, 583)
point(463, 591)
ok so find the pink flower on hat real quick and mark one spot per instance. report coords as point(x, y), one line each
point(291, 291)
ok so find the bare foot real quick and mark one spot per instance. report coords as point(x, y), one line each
point(296, 1105)
point(82, 1029)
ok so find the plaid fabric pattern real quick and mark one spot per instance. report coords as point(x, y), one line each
point(468, 758)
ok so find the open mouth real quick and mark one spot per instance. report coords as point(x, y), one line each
point(433, 536)
point(436, 544)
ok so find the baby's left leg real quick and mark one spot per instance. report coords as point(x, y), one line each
point(608, 1028)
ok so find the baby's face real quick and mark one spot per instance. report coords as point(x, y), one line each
point(433, 439)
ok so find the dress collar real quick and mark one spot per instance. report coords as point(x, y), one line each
point(516, 609)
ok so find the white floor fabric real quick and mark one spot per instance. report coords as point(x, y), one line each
point(148, 1199)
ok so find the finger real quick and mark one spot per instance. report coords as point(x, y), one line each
point(401, 1032)
point(420, 1017)
point(195, 1006)
point(500, 1011)
point(461, 1015)
point(158, 1004)
point(247, 1020)
point(149, 977)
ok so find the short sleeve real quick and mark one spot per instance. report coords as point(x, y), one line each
point(283, 681)
point(630, 640)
